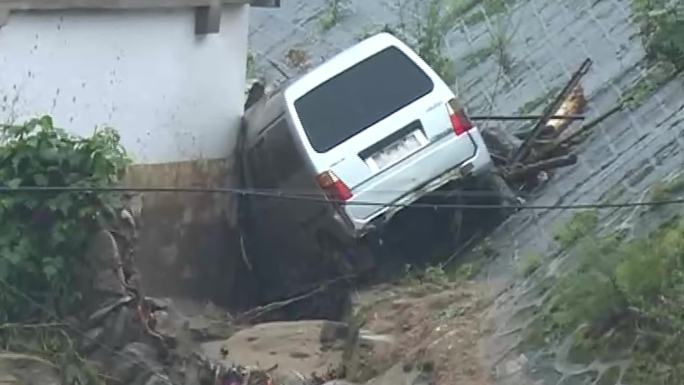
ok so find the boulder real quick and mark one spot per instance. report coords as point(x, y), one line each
point(102, 277)
point(303, 347)
point(22, 369)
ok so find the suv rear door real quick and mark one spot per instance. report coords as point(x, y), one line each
point(374, 115)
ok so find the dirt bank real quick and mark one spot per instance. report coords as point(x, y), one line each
point(434, 328)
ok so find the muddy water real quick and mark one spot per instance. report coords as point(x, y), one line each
point(622, 158)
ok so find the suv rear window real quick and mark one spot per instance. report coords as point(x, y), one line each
point(359, 97)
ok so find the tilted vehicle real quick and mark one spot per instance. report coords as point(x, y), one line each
point(360, 137)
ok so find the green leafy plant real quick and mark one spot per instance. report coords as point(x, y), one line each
point(43, 235)
point(501, 35)
point(425, 31)
point(52, 343)
point(436, 274)
point(431, 274)
point(580, 225)
point(626, 296)
point(474, 262)
point(590, 295)
point(645, 86)
point(529, 264)
point(334, 12)
point(432, 20)
point(664, 191)
point(661, 23)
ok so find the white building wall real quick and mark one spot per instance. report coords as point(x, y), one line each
point(173, 95)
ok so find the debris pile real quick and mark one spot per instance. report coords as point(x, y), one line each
point(139, 340)
point(527, 162)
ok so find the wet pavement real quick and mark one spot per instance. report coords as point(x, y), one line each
point(620, 161)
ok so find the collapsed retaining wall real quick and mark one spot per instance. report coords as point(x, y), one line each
point(189, 246)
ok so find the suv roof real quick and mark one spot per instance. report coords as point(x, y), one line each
point(339, 63)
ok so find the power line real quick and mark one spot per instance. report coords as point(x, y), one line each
point(222, 190)
point(51, 314)
point(282, 195)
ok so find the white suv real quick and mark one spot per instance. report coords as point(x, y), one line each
point(379, 125)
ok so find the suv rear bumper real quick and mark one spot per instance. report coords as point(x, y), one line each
point(478, 164)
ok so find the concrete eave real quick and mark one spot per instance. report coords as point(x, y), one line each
point(28, 5)
point(207, 12)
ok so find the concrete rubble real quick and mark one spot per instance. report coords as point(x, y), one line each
point(138, 340)
point(20, 369)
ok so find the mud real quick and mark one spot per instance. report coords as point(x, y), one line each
point(431, 325)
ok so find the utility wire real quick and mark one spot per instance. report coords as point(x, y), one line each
point(221, 190)
point(276, 194)
point(51, 314)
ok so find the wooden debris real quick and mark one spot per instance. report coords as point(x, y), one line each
point(573, 105)
point(524, 150)
point(549, 144)
point(521, 171)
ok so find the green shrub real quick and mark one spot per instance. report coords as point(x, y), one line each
point(661, 24)
point(333, 14)
point(43, 235)
point(436, 274)
point(665, 191)
point(628, 291)
point(642, 272)
point(431, 274)
point(435, 20)
point(645, 86)
point(529, 264)
point(580, 225)
point(425, 31)
point(501, 35)
point(432, 20)
point(590, 295)
point(52, 343)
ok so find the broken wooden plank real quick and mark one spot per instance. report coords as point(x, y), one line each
point(592, 124)
point(524, 117)
point(524, 149)
point(565, 142)
point(523, 171)
point(575, 103)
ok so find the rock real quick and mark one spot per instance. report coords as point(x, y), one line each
point(209, 330)
point(303, 347)
point(515, 365)
point(397, 375)
point(102, 277)
point(500, 141)
point(120, 328)
point(204, 325)
point(158, 380)
point(22, 369)
point(135, 364)
point(90, 343)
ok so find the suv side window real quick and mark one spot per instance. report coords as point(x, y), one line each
point(258, 167)
point(284, 158)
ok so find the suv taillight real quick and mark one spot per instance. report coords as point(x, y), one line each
point(459, 120)
point(334, 187)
